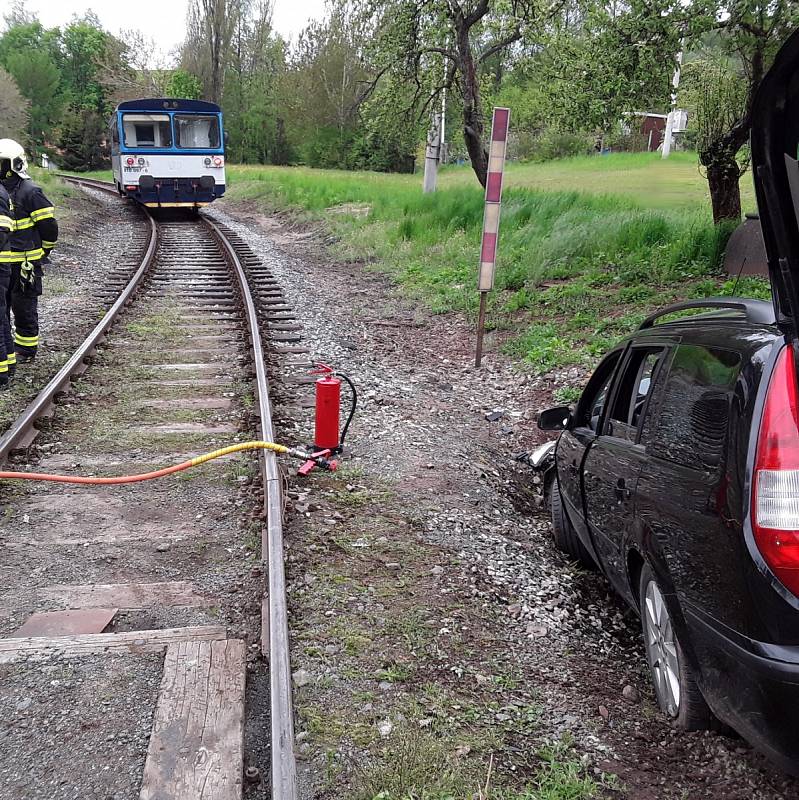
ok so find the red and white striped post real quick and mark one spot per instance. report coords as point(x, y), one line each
point(493, 199)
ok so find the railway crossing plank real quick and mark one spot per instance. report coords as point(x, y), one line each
point(65, 623)
point(127, 596)
point(13, 650)
point(196, 746)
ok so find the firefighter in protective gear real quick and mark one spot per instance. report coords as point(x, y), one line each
point(6, 345)
point(33, 236)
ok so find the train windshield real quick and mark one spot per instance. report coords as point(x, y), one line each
point(196, 131)
point(147, 130)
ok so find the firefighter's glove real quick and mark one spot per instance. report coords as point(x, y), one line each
point(26, 276)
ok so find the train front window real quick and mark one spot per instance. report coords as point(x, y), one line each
point(197, 131)
point(147, 130)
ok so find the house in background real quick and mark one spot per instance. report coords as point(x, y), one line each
point(652, 128)
point(644, 131)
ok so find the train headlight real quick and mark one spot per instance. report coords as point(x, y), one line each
point(207, 162)
point(130, 162)
point(142, 162)
point(218, 161)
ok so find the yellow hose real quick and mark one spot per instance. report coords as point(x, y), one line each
point(160, 473)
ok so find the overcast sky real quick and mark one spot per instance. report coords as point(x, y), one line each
point(161, 20)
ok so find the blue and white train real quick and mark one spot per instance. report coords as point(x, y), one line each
point(168, 153)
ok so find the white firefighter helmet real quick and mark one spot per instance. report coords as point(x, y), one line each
point(14, 153)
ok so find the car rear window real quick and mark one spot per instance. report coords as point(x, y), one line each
point(689, 425)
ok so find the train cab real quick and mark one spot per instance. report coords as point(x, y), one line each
point(168, 153)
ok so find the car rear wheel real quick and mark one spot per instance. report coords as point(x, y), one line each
point(563, 532)
point(675, 685)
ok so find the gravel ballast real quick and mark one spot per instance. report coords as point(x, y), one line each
point(76, 728)
point(435, 518)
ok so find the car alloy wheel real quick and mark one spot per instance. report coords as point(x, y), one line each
point(661, 649)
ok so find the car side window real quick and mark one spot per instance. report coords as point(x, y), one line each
point(693, 415)
point(595, 395)
point(633, 391)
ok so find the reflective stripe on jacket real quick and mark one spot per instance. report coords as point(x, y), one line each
point(34, 229)
point(6, 223)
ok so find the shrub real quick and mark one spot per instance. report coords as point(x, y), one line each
point(551, 144)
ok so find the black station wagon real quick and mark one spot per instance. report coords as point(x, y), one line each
point(677, 473)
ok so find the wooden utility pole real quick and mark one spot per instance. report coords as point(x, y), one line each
point(675, 82)
point(431, 154)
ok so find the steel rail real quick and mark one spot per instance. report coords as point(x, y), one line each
point(275, 622)
point(284, 766)
point(23, 431)
point(92, 183)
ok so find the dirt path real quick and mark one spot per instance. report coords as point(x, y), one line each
point(439, 640)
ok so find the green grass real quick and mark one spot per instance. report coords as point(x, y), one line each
point(642, 177)
point(98, 175)
point(56, 190)
point(588, 245)
point(418, 765)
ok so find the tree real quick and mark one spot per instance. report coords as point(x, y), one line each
point(24, 33)
point(183, 84)
point(39, 81)
point(82, 132)
point(250, 103)
point(440, 45)
point(596, 62)
point(239, 62)
point(32, 55)
point(70, 79)
point(131, 66)
point(86, 46)
point(13, 108)
point(324, 86)
point(210, 25)
point(749, 34)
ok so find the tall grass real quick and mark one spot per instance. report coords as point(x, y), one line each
point(588, 246)
point(430, 242)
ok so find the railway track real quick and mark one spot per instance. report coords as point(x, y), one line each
point(176, 367)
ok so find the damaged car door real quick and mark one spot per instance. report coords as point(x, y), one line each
point(614, 461)
point(575, 442)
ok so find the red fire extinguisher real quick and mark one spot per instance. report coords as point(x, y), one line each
point(328, 409)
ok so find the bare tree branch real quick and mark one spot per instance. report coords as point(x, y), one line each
point(499, 46)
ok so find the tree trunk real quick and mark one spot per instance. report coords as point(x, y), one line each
point(472, 107)
point(725, 191)
point(473, 136)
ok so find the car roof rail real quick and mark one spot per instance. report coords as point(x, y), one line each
point(756, 311)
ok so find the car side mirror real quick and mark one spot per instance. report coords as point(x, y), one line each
point(555, 419)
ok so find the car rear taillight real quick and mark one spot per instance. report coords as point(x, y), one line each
point(775, 500)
